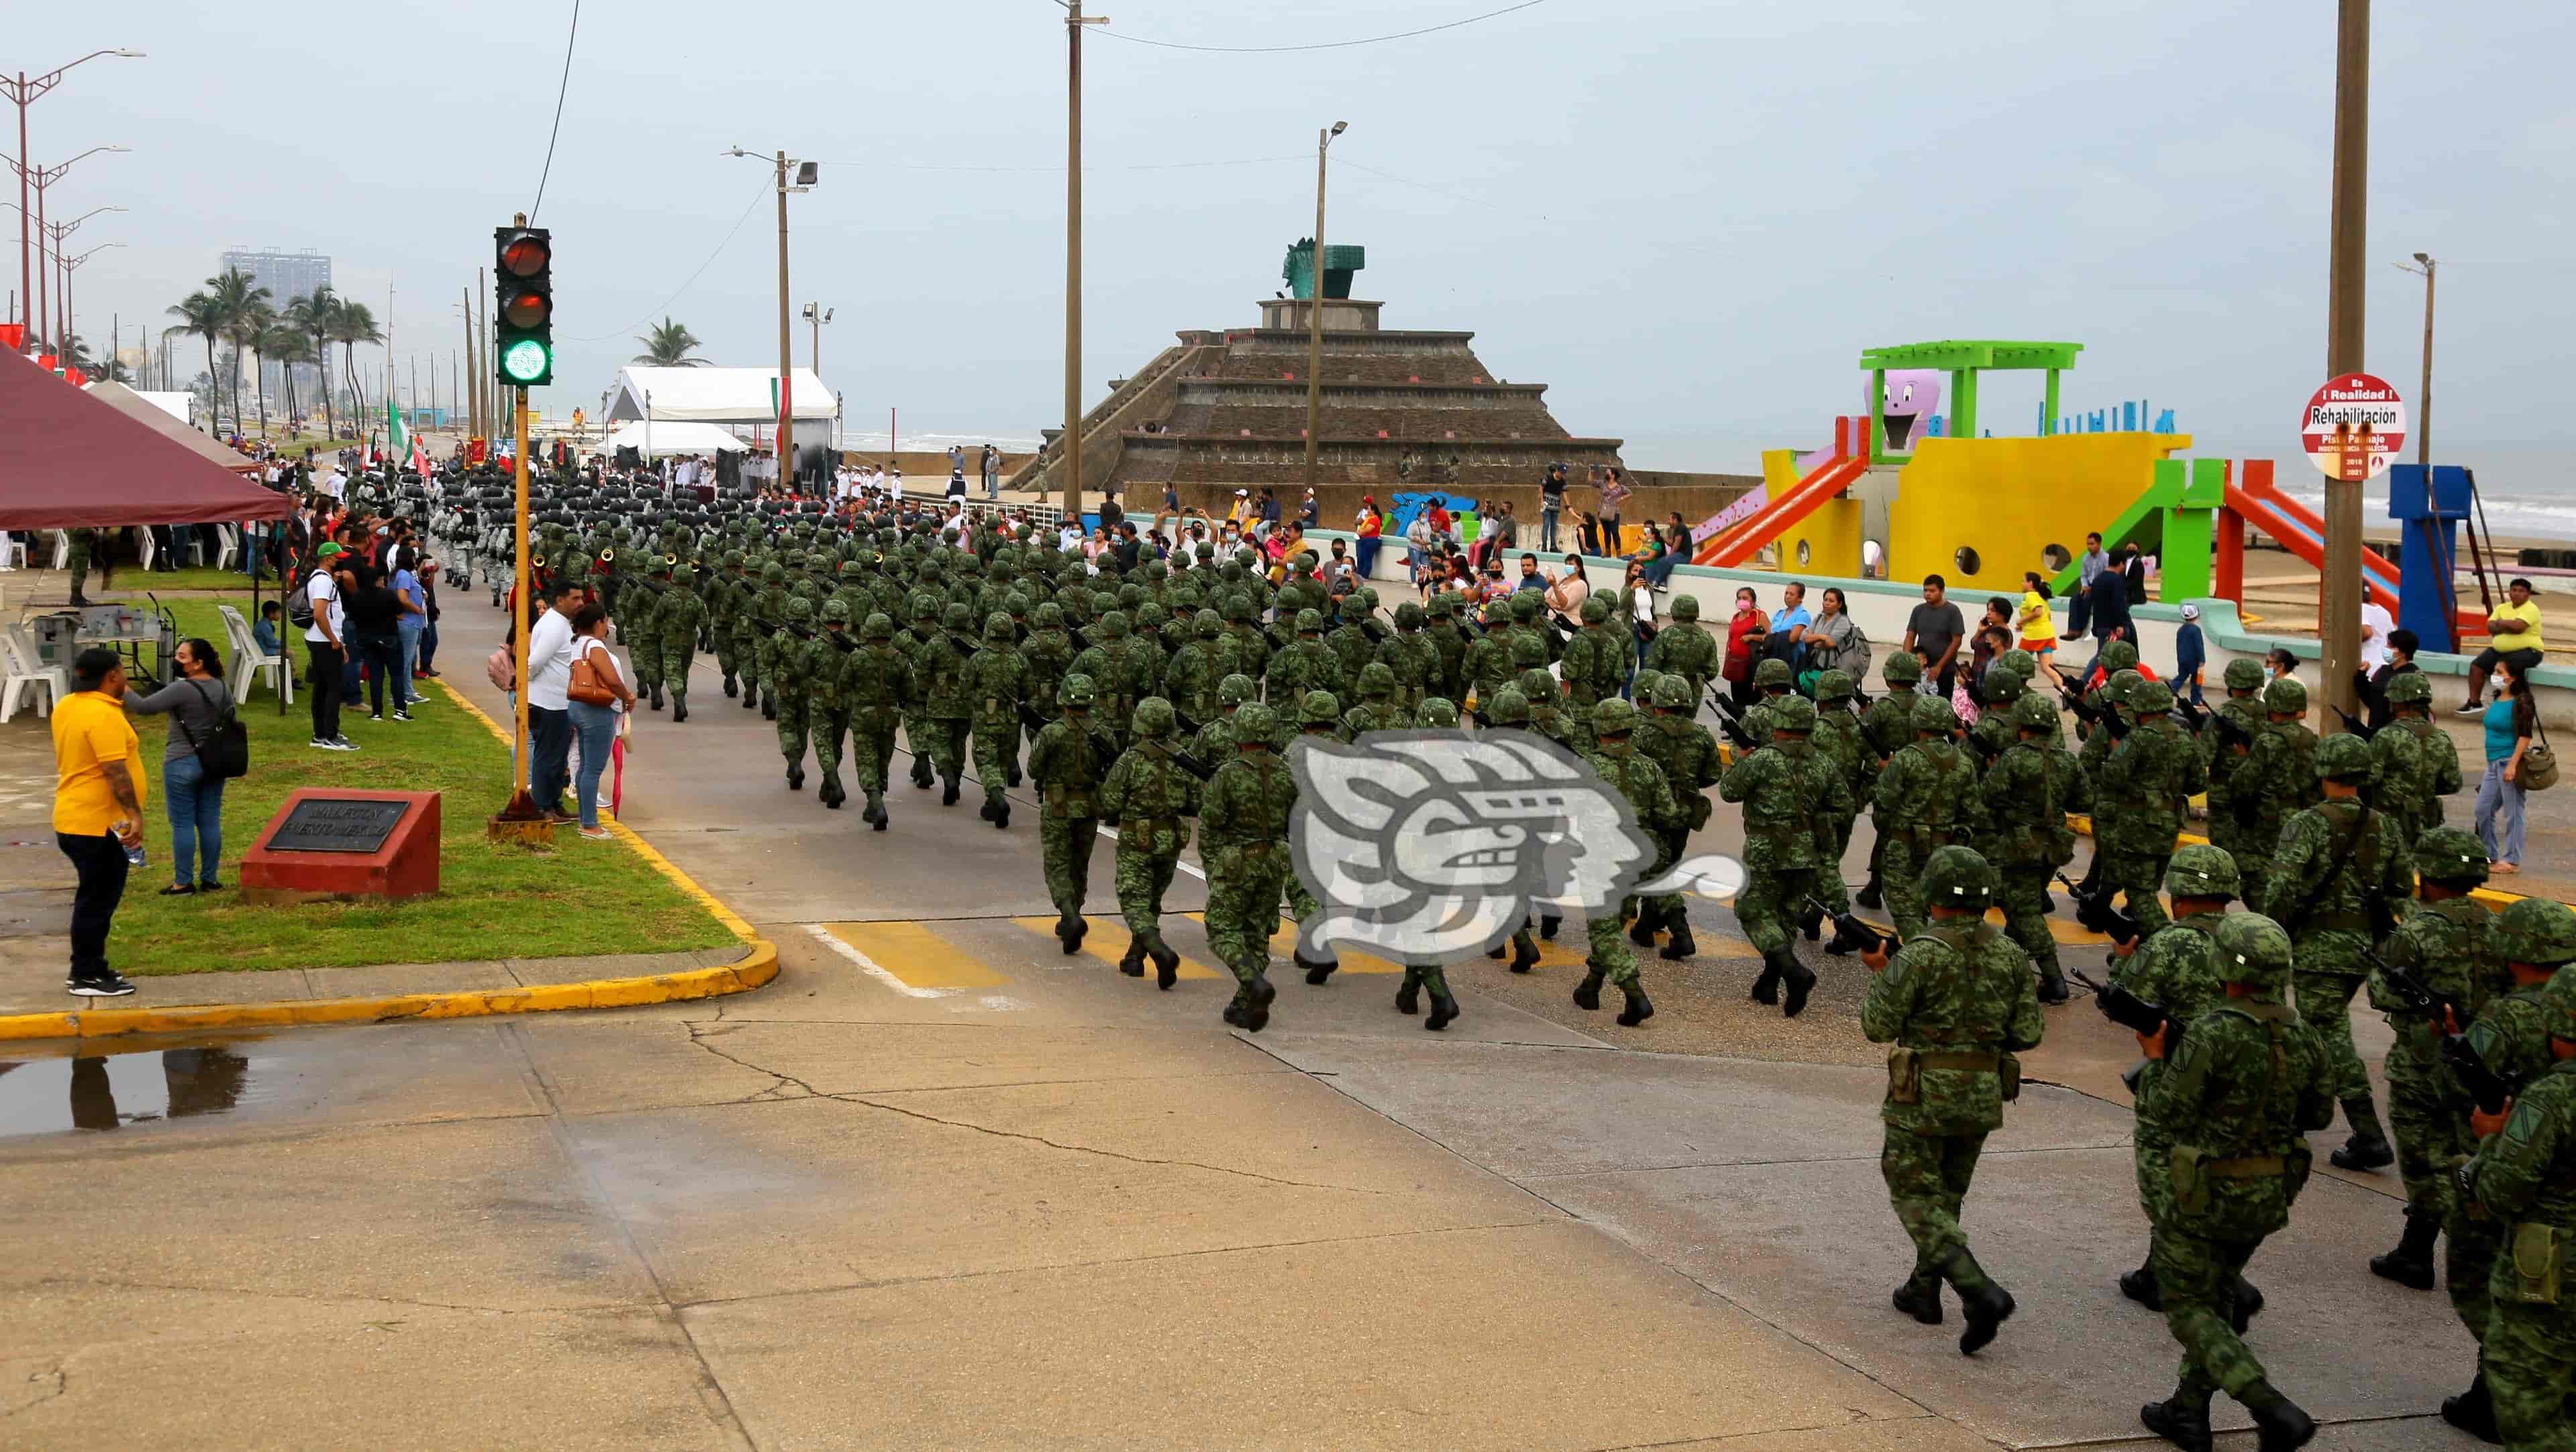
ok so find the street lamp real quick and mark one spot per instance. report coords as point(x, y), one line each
point(2424, 397)
point(806, 172)
point(41, 177)
point(1315, 310)
point(67, 264)
point(816, 315)
point(59, 231)
point(24, 90)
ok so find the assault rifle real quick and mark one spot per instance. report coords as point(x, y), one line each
point(2487, 1088)
point(2354, 725)
point(2085, 712)
point(1849, 928)
point(2421, 998)
point(803, 633)
point(1732, 724)
point(2133, 1013)
point(2093, 909)
point(1104, 752)
point(2201, 718)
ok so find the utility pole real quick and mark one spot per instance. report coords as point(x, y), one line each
point(1071, 464)
point(2349, 235)
point(786, 452)
point(816, 315)
point(24, 91)
point(473, 405)
point(483, 341)
point(1315, 313)
point(2424, 395)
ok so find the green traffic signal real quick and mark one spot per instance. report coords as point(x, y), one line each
point(523, 267)
point(527, 363)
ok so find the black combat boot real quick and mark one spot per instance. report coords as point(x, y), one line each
point(1642, 931)
point(921, 771)
point(2368, 1148)
point(1524, 954)
point(1001, 813)
point(1985, 1305)
point(1317, 969)
point(769, 707)
point(657, 695)
point(2140, 1285)
point(1547, 926)
point(986, 811)
point(729, 687)
point(948, 791)
point(1587, 994)
point(1011, 772)
point(1167, 964)
point(2278, 1421)
point(1256, 1008)
point(832, 794)
point(2245, 1303)
point(2473, 1411)
point(1408, 995)
point(875, 815)
point(679, 707)
point(1812, 923)
point(1234, 1011)
point(1799, 979)
point(751, 695)
point(1919, 1296)
point(1132, 962)
point(1495, 952)
point(1869, 896)
point(1639, 1008)
point(1682, 945)
point(1069, 928)
point(2182, 1419)
point(796, 776)
point(1444, 1010)
point(2052, 979)
point(2411, 1263)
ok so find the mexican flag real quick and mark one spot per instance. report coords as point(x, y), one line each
point(405, 447)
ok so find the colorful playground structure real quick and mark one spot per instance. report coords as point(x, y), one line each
point(1894, 499)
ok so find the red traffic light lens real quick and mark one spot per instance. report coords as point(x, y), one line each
point(526, 308)
point(525, 257)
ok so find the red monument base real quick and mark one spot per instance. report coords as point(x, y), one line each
point(345, 845)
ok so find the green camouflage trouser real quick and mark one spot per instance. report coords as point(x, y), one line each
point(725, 658)
point(2324, 1002)
point(1609, 943)
point(648, 665)
point(2431, 1136)
point(2023, 895)
point(831, 725)
point(1066, 844)
point(1301, 903)
point(871, 746)
point(80, 564)
point(1927, 1181)
point(1670, 848)
point(792, 732)
point(2137, 877)
point(916, 739)
point(2530, 1362)
point(2197, 1278)
point(1900, 859)
point(1242, 911)
point(1431, 976)
point(1143, 878)
point(676, 660)
point(746, 649)
point(941, 741)
point(997, 747)
point(1769, 905)
point(2472, 1241)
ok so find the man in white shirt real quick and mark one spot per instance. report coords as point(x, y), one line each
point(1069, 538)
point(2375, 625)
point(322, 640)
point(549, 705)
point(337, 485)
point(894, 482)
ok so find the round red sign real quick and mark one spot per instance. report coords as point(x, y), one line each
point(2354, 427)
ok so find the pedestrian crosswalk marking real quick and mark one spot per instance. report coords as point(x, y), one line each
point(919, 962)
point(1283, 944)
point(1107, 942)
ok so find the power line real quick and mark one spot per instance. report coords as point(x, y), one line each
point(1326, 45)
point(561, 89)
point(757, 193)
point(1149, 166)
point(1427, 186)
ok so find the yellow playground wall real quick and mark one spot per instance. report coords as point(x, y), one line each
point(1831, 535)
point(2009, 499)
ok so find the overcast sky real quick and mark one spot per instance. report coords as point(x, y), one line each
point(1686, 216)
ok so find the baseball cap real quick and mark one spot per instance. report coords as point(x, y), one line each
point(328, 550)
point(2191, 612)
point(1243, 494)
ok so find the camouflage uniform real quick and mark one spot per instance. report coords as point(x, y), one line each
point(754, 626)
point(1838, 740)
point(86, 544)
point(997, 684)
point(2417, 763)
point(1151, 797)
point(1408, 656)
point(2448, 944)
point(1189, 680)
point(2147, 776)
point(2526, 1175)
point(1635, 776)
point(2027, 793)
point(679, 620)
point(1112, 672)
point(1244, 650)
point(2337, 862)
point(1683, 648)
point(1049, 652)
point(1489, 661)
point(1306, 665)
point(1597, 658)
point(1319, 714)
point(1688, 756)
point(1957, 1003)
point(1243, 840)
point(1066, 766)
point(2237, 1096)
point(782, 669)
point(1773, 682)
point(1448, 648)
point(875, 680)
point(1792, 795)
point(1886, 728)
point(640, 627)
point(2235, 819)
point(1377, 710)
point(727, 598)
point(827, 709)
point(1926, 799)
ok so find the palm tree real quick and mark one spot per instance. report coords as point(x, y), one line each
point(248, 331)
point(235, 297)
point(352, 324)
point(201, 316)
point(285, 344)
point(313, 315)
point(669, 346)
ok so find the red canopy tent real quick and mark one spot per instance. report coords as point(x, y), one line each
point(68, 461)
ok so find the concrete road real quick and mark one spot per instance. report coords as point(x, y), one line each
point(941, 1185)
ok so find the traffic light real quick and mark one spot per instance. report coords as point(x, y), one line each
point(523, 258)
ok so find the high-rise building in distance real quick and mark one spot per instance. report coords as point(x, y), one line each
point(286, 275)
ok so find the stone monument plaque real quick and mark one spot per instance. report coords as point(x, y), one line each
point(331, 824)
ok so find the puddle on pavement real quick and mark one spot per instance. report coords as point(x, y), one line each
point(128, 1086)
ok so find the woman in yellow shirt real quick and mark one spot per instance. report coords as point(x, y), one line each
point(2038, 626)
point(98, 811)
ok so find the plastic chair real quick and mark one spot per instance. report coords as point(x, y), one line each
point(227, 545)
point(248, 662)
point(62, 549)
point(26, 674)
point(149, 550)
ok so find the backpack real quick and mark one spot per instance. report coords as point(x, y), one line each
point(225, 754)
point(1853, 659)
point(299, 606)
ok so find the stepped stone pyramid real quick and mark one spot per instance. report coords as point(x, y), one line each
point(1402, 409)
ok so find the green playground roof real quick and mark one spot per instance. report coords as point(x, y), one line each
point(1953, 354)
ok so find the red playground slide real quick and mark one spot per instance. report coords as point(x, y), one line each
point(1736, 543)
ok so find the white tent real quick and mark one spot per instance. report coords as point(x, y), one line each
point(669, 440)
point(716, 395)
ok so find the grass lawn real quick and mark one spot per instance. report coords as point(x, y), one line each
point(495, 902)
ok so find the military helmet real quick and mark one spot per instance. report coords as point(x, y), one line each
point(1233, 606)
point(1537, 687)
point(2203, 870)
point(1208, 622)
point(1154, 717)
point(1076, 690)
point(880, 626)
point(1113, 625)
point(799, 608)
point(733, 559)
point(1444, 605)
point(2119, 655)
point(2020, 662)
point(998, 628)
point(1437, 713)
point(1685, 607)
point(1793, 713)
point(1833, 686)
point(1377, 679)
point(2243, 674)
point(1235, 690)
point(1933, 714)
point(2537, 930)
point(1150, 616)
point(2413, 688)
point(1774, 672)
point(2343, 757)
point(1508, 708)
point(1015, 604)
point(2558, 1007)
point(958, 616)
point(1959, 878)
point(1310, 621)
point(1524, 606)
point(1408, 616)
point(2003, 688)
point(1319, 708)
point(1528, 653)
point(1255, 722)
point(684, 576)
point(1596, 610)
point(1672, 693)
point(2286, 697)
point(836, 611)
point(2149, 698)
point(1048, 616)
point(1613, 717)
point(1641, 686)
point(2034, 712)
point(2448, 855)
point(2255, 951)
point(852, 570)
point(1902, 669)
point(773, 573)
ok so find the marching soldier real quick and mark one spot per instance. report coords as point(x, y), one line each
point(1597, 659)
point(1925, 800)
point(759, 623)
point(997, 683)
point(827, 711)
point(682, 614)
point(916, 642)
point(1377, 709)
point(2418, 762)
point(1685, 648)
point(1634, 775)
point(2525, 1174)
point(1243, 840)
point(641, 628)
point(1688, 756)
point(1886, 728)
point(1306, 665)
point(1448, 646)
point(1151, 797)
point(939, 669)
point(1189, 680)
point(2142, 792)
point(1067, 766)
point(875, 679)
point(1791, 794)
point(1049, 652)
point(782, 671)
point(2027, 794)
point(2235, 816)
point(1409, 657)
point(1109, 665)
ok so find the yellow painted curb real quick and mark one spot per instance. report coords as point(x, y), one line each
point(754, 969)
point(2082, 826)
